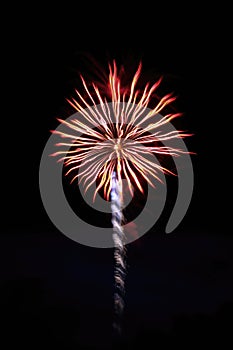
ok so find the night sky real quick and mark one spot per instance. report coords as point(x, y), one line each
point(57, 293)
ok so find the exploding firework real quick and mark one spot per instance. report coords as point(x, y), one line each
point(114, 144)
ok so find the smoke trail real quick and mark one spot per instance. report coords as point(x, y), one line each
point(119, 252)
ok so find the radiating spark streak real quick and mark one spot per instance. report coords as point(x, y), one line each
point(165, 120)
point(127, 179)
point(114, 140)
point(135, 79)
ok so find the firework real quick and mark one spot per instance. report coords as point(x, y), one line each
point(114, 144)
point(115, 140)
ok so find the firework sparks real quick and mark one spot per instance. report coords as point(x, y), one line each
point(115, 140)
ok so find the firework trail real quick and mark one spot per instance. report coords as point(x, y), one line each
point(114, 143)
point(119, 251)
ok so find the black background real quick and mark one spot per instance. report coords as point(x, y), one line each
point(58, 293)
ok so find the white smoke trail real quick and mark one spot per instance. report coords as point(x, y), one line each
point(119, 252)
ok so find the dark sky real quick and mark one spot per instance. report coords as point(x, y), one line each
point(58, 293)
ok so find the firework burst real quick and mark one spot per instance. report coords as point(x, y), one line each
point(115, 140)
